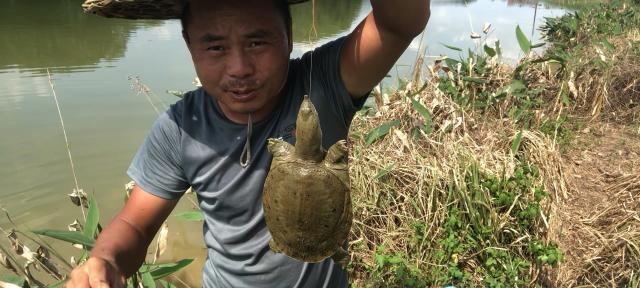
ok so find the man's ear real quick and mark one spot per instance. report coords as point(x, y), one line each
point(290, 34)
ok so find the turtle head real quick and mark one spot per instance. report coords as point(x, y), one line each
point(308, 133)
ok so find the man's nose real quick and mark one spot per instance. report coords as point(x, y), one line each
point(239, 64)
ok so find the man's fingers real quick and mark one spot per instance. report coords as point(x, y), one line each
point(98, 273)
point(95, 273)
point(79, 279)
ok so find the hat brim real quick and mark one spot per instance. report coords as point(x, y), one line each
point(141, 9)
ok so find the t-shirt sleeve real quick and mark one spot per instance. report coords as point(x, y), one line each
point(157, 167)
point(325, 65)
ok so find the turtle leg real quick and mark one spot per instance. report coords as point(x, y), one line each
point(340, 257)
point(337, 153)
point(279, 147)
point(274, 247)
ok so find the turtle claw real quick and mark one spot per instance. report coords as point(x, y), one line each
point(279, 147)
point(337, 153)
point(273, 246)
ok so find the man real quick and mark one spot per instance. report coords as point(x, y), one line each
point(215, 138)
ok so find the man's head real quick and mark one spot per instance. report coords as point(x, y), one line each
point(240, 50)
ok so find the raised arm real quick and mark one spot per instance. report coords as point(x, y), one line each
point(376, 44)
point(121, 247)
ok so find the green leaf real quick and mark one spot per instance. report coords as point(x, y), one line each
point(452, 47)
point(380, 131)
point(516, 85)
point(490, 51)
point(498, 48)
point(57, 284)
point(93, 216)
point(606, 44)
point(515, 146)
point(474, 80)
point(15, 281)
point(191, 216)
point(565, 99)
point(525, 44)
point(428, 122)
point(85, 255)
point(384, 171)
point(147, 280)
point(67, 236)
point(538, 45)
point(159, 271)
point(167, 284)
point(451, 63)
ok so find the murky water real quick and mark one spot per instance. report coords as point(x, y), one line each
point(90, 60)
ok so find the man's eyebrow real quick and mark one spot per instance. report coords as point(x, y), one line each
point(210, 38)
point(260, 33)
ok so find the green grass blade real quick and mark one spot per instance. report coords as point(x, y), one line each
point(498, 48)
point(147, 280)
point(452, 47)
point(490, 51)
point(159, 271)
point(524, 42)
point(538, 45)
point(93, 217)
point(474, 80)
point(67, 236)
point(191, 216)
point(167, 284)
point(380, 131)
point(10, 280)
point(58, 284)
point(384, 171)
point(515, 146)
point(428, 121)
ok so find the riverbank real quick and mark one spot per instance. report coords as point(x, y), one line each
point(495, 176)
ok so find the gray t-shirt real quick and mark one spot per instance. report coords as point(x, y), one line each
point(194, 144)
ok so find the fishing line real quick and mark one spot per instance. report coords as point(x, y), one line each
point(245, 157)
point(312, 31)
point(66, 141)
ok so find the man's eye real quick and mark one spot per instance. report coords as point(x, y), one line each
point(256, 44)
point(216, 48)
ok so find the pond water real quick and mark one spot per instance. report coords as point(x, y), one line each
point(90, 60)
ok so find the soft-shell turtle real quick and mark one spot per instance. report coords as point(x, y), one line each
point(307, 203)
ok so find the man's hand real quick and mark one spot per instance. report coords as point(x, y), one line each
point(97, 273)
point(121, 247)
point(377, 43)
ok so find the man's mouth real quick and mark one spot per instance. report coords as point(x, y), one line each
point(242, 95)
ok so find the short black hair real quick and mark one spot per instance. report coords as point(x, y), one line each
point(282, 6)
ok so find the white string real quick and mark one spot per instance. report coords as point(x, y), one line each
point(64, 132)
point(66, 141)
point(245, 157)
point(313, 31)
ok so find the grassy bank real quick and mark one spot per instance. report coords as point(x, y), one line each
point(458, 179)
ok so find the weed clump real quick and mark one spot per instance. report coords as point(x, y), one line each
point(454, 200)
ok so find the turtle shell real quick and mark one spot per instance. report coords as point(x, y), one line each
point(307, 207)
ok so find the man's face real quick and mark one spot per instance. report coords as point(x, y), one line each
point(240, 50)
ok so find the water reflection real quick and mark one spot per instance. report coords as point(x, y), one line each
point(36, 34)
point(451, 2)
point(333, 17)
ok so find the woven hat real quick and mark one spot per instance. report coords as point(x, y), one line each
point(141, 9)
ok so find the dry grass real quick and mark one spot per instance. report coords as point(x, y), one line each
point(616, 261)
point(600, 224)
point(601, 82)
point(421, 170)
